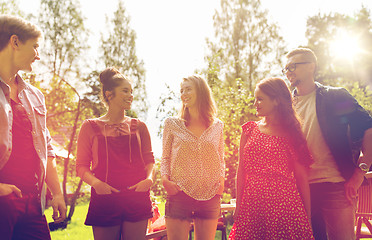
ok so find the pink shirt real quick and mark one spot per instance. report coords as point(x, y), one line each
point(194, 164)
point(87, 146)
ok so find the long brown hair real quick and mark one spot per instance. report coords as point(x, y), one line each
point(277, 89)
point(204, 101)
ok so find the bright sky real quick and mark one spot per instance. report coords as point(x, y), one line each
point(171, 34)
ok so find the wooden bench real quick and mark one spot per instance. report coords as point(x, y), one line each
point(162, 234)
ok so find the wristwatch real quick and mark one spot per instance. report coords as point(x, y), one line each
point(364, 167)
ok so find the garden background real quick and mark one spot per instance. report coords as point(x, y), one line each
point(232, 43)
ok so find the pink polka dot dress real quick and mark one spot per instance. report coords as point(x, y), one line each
point(271, 206)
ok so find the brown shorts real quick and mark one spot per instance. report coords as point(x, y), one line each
point(182, 206)
point(116, 208)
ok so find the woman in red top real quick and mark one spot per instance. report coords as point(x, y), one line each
point(114, 156)
point(273, 198)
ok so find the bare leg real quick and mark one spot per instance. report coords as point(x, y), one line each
point(134, 230)
point(177, 229)
point(205, 229)
point(106, 233)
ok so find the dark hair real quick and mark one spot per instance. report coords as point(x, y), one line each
point(204, 100)
point(277, 89)
point(12, 25)
point(110, 78)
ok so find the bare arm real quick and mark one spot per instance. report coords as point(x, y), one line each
point(301, 175)
point(58, 202)
point(240, 175)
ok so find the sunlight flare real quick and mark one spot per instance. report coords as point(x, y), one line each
point(345, 45)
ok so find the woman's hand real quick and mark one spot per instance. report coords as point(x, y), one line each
point(103, 188)
point(6, 189)
point(142, 186)
point(171, 187)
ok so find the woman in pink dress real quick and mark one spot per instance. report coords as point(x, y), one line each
point(273, 198)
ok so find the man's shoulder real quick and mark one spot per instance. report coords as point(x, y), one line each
point(333, 92)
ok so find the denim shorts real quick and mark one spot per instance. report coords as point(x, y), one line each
point(182, 206)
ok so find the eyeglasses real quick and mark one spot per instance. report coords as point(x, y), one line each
point(292, 67)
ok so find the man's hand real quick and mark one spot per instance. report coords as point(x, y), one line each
point(352, 186)
point(59, 208)
point(6, 189)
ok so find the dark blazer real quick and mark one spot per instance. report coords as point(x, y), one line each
point(343, 123)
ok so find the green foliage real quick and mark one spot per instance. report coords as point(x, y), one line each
point(76, 229)
point(235, 107)
point(92, 99)
point(157, 188)
point(363, 95)
point(119, 50)
point(168, 107)
point(65, 36)
point(247, 49)
point(248, 46)
point(323, 30)
point(10, 7)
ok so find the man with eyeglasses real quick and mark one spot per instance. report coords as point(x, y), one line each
point(337, 130)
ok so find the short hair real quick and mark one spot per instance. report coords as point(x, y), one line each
point(204, 101)
point(110, 78)
point(307, 54)
point(13, 25)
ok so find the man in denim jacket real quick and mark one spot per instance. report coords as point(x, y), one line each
point(26, 155)
point(337, 130)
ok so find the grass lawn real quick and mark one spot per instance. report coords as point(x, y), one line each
point(76, 230)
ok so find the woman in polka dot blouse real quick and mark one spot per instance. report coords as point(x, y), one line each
point(273, 197)
point(192, 167)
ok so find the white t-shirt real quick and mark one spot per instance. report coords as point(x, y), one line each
point(324, 168)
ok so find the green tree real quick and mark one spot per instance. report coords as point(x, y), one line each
point(334, 67)
point(119, 49)
point(246, 48)
point(10, 7)
point(64, 43)
point(247, 44)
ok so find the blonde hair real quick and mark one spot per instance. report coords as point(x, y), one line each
point(306, 53)
point(12, 25)
point(204, 101)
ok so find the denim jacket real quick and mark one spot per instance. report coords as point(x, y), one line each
point(343, 123)
point(33, 101)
